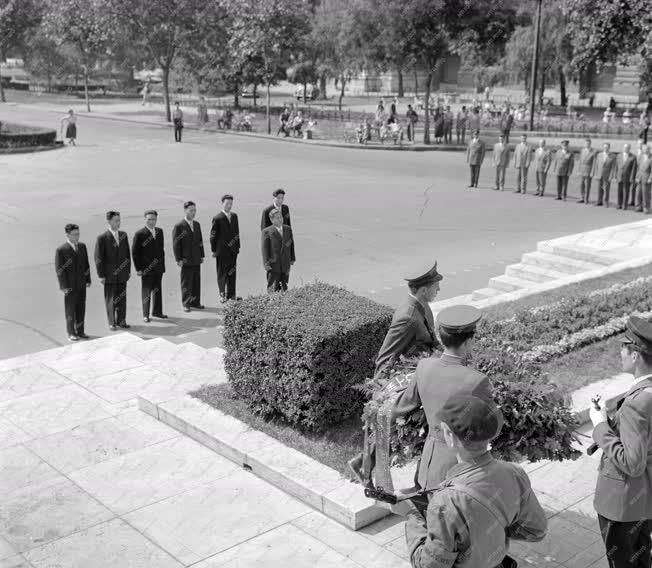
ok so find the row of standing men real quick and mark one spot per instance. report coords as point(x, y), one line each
point(632, 172)
point(113, 257)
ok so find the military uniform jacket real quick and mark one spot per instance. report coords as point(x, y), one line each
point(475, 152)
point(585, 162)
point(501, 155)
point(437, 379)
point(522, 155)
point(624, 488)
point(461, 531)
point(563, 163)
point(626, 168)
point(644, 170)
point(411, 331)
point(542, 160)
point(604, 167)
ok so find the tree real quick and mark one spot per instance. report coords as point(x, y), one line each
point(161, 29)
point(604, 31)
point(87, 25)
point(16, 17)
point(263, 36)
point(45, 58)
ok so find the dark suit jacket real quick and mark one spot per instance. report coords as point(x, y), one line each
point(73, 269)
point(475, 152)
point(412, 331)
point(113, 262)
point(148, 252)
point(225, 235)
point(277, 253)
point(623, 491)
point(266, 222)
point(187, 244)
point(626, 168)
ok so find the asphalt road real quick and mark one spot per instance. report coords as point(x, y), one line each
point(361, 219)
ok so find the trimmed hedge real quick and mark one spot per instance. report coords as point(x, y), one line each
point(299, 354)
point(21, 136)
point(538, 423)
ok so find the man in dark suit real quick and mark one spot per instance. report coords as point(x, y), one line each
point(474, 157)
point(148, 252)
point(225, 244)
point(625, 175)
point(188, 247)
point(74, 275)
point(584, 169)
point(279, 196)
point(623, 499)
point(604, 171)
point(278, 252)
point(563, 167)
point(113, 263)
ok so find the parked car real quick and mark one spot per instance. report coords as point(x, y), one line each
point(312, 92)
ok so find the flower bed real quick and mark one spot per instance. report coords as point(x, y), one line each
point(21, 136)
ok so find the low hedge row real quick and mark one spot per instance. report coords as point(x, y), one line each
point(299, 354)
point(21, 136)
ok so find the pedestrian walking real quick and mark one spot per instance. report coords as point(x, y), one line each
point(522, 160)
point(623, 493)
point(74, 276)
point(563, 168)
point(625, 176)
point(188, 247)
point(542, 161)
point(483, 502)
point(148, 253)
point(145, 92)
point(277, 244)
point(501, 161)
point(584, 169)
point(412, 118)
point(113, 264)
point(474, 157)
point(604, 172)
point(69, 122)
point(225, 245)
point(177, 119)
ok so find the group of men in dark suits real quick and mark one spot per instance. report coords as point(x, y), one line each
point(113, 257)
point(632, 172)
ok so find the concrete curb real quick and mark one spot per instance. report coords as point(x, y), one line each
point(308, 480)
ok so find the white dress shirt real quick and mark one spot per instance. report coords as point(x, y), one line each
point(190, 224)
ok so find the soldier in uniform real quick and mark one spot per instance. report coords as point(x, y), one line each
point(501, 161)
point(435, 381)
point(625, 176)
point(563, 166)
point(542, 161)
point(412, 329)
point(585, 166)
point(604, 171)
point(483, 503)
point(623, 495)
point(522, 159)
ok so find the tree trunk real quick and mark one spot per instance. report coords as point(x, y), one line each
point(305, 91)
point(322, 86)
point(166, 92)
point(426, 110)
point(88, 100)
point(269, 116)
point(342, 85)
point(542, 87)
point(401, 94)
point(562, 86)
point(416, 83)
point(236, 95)
point(255, 93)
point(2, 89)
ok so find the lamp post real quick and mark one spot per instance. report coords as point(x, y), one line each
point(535, 63)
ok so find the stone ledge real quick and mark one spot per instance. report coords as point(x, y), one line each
point(306, 479)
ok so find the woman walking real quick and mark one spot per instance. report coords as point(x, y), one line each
point(70, 122)
point(177, 119)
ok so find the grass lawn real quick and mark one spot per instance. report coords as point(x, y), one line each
point(333, 447)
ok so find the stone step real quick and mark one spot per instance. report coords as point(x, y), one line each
point(150, 350)
point(211, 337)
point(509, 283)
point(533, 272)
point(485, 294)
point(578, 252)
point(559, 263)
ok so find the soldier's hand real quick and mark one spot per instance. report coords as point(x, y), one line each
point(598, 416)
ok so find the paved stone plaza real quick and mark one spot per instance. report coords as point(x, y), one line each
point(361, 217)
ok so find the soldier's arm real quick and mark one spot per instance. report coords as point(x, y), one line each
point(399, 337)
point(434, 544)
point(628, 452)
point(530, 524)
point(408, 400)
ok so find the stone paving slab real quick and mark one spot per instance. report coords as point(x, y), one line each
point(156, 472)
point(216, 516)
point(86, 365)
point(19, 467)
point(113, 544)
point(15, 562)
point(27, 380)
point(10, 434)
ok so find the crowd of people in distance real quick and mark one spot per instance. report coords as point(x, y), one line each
point(630, 171)
point(113, 258)
point(293, 122)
